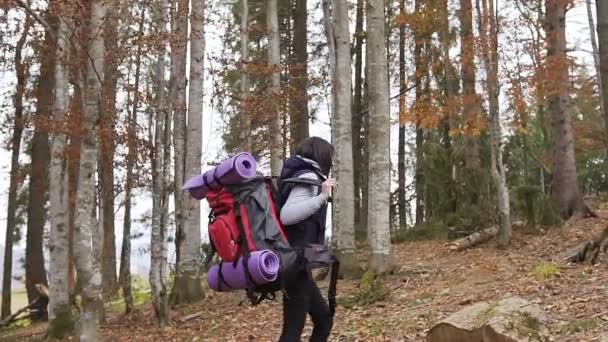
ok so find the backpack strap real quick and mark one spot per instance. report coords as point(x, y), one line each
point(246, 253)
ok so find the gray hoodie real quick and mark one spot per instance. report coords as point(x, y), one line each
point(303, 200)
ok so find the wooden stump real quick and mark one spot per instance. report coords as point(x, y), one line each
point(512, 319)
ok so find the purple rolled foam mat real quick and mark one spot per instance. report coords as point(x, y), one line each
point(263, 267)
point(235, 170)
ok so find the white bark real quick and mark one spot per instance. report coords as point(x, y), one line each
point(190, 248)
point(378, 221)
point(87, 268)
point(245, 131)
point(343, 204)
point(59, 301)
point(274, 60)
point(158, 244)
point(489, 45)
point(178, 95)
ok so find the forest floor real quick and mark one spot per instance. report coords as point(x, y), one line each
point(432, 283)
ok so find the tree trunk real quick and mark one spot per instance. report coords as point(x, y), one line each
point(21, 72)
point(60, 313)
point(132, 155)
point(470, 102)
point(489, 46)
point(178, 94)
point(343, 205)
point(298, 76)
point(602, 33)
point(187, 287)
point(360, 218)
point(83, 232)
point(35, 272)
point(450, 91)
point(564, 187)
point(274, 60)
point(245, 131)
point(158, 256)
point(596, 52)
point(402, 108)
point(379, 152)
point(107, 141)
point(421, 71)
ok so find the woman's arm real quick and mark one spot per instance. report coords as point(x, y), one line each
point(302, 202)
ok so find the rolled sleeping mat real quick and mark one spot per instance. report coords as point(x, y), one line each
point(235, 170)
point(263, 267)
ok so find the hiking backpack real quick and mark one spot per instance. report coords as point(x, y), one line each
point(245, 218)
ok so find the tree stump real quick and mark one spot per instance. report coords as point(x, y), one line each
point(513, 319)
point(589, 251)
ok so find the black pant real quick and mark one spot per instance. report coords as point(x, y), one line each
point(304, 297)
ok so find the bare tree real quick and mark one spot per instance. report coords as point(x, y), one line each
point(60, 314)
point(564, 187)
point(298, 75)
point(274, 60)
point(107, 150)
point(470, 99)
point(21, 71)
point(160, 162)
point(125, 254)
point(84, 225)
point(187, 287)
point(602, 33)
point(337, 32)
point(179, 24)
point(245, 131)
point(379, 124)
point(488, 30)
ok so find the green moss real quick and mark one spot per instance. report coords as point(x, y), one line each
point(62, 325)
point(349, 266)
point(369, 292)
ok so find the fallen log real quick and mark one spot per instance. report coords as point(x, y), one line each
point(509, 320)
point(479, 237)
point(474, 239)
point(8, 320)
point(589, 251)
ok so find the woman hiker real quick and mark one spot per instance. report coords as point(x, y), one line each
point(303, 215)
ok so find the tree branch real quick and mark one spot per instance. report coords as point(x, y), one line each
point(38, 18)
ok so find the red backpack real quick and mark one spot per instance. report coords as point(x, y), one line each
point(245, 218)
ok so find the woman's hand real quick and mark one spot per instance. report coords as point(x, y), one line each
point(327, 186)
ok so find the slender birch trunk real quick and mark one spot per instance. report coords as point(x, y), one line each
point(488, 30)
point(336, 23)
point(160, 165)
point(178, 95)
point(84, 249)
point(379, 235)
point(125, 254)
point(187, 288)
point(274, 60)
point(60, 313)
point(245, 131)
point(21, 73)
